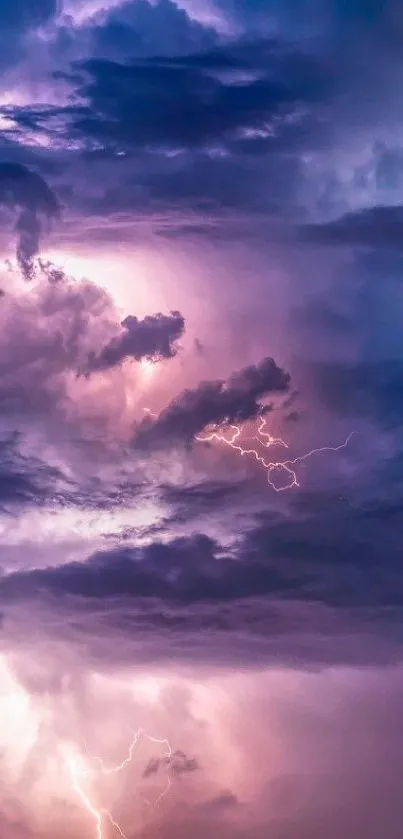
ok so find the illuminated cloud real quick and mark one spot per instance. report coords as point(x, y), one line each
point(53, 332)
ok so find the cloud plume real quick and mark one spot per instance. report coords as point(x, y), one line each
point(32, 197)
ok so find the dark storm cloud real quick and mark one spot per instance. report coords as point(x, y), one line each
point(236, 399)
point(221, 112)
point(31, 196)
point(155, 337)
point(373, 227)
point(254, 94)
point(329, 569)
point(130, 30)
point(128, 572)
point(329, 553)
point(188, 103)
point(140, 28)
point(244, 116)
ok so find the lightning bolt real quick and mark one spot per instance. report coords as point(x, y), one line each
point(79, 773)
point(266, 441)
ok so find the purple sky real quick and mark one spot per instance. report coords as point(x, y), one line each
point(201, 407)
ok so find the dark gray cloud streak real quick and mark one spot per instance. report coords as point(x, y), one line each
point(333, 554)
point(310, 583)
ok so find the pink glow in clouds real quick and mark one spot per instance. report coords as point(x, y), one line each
point(279, 752)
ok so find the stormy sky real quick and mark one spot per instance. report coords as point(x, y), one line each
point(201, 414)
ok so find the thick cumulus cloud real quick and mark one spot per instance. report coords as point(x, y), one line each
point(32, 197)
point(152, 338)
point(236, 399)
